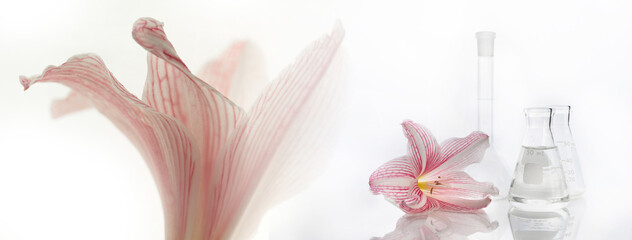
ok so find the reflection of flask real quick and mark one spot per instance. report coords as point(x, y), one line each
point(566, 146)
point(576, 213)
point(547, 225)
point(538, 178)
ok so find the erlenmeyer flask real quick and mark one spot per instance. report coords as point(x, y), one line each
point(566, 146)
point(538, 179)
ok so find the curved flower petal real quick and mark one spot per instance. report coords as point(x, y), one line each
point(219, 72)
point(166, 145)
point(394, 180)
point(303, 152)
point(417, 201)
point(239, 73)
point(457, 204)
point(149, 34)
point(206, 113)
point(172, 89)
point(458, 153)
point(256, 140)
point(74, 102)
point(460, 184)
point(446, 203)
point(424, 203)
point(423, 149)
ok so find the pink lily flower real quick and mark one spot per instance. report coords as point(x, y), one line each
point(440, 225)
point(218, 167)
point(431, 176)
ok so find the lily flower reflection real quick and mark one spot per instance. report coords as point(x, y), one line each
point(440, 225)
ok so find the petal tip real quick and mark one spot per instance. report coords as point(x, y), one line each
point(488, 200)
point(338, 29)
point(495, 191)
point(480, 134)
point(147, 22)
point(150, 35)
point(407, 124)
point(26, 82)
point(414, 128)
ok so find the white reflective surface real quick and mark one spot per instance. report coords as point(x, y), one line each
point(80, 178)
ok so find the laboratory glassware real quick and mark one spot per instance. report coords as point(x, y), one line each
point(538, 178)
point(490, 168)
point(566, 147)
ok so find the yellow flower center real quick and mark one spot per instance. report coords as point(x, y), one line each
point(423, 185)
point(429, 186)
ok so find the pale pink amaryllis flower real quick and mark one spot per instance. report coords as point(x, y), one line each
point(431, 176)
point(219, 164)
point(439, 224)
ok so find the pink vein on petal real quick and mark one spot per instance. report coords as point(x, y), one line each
point(432, 177)
point(239, 73)
point(165, 144)
point(172, 89)
point(74, 102)
point(423, 149)
point(394, 179)
point(458, 153)
point(256, 139)
point(219, 72)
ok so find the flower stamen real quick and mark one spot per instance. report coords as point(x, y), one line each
point(429, 186)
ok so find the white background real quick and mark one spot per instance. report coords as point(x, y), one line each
point(79, 178)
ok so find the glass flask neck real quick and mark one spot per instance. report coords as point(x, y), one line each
point(538, 128)
point(561, 115)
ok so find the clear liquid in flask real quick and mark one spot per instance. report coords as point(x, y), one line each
point(539, 178)
point(565, 143)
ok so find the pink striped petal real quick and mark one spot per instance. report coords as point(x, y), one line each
point(446, 203)
point(205, 112)
point(460, 184)
point(256, 140)
point(165, 143)
point(422, 147)
point(458, 204)
point(427, 204)
point(458, 153)
point(74, 102)
point(172, 89)
point(148, 33)
point(394, 180)
point(219, 72)
point(303, 153)
point(239, 73)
